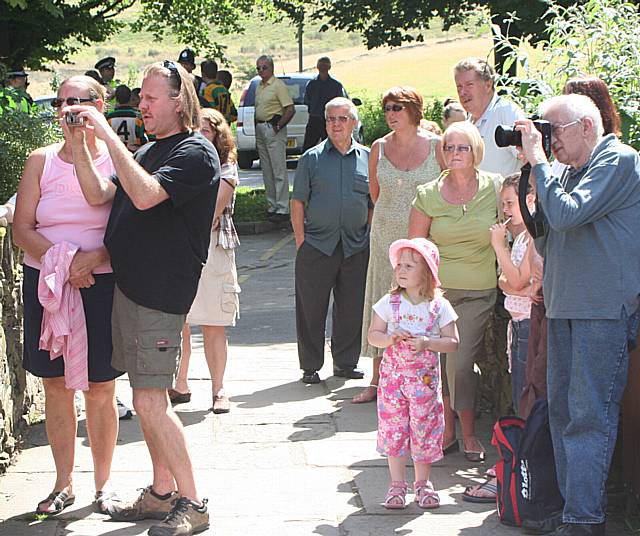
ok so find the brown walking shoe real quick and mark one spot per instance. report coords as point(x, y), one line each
point(186, 518)
point(146, 506)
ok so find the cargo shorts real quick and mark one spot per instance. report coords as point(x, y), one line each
point(146, 343)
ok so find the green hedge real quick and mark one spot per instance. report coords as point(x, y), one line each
point(251, 205)
point(373, 121)
point(21, 133)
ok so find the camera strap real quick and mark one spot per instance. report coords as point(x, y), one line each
point(533, 222)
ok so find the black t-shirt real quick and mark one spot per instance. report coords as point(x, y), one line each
point(157, 254)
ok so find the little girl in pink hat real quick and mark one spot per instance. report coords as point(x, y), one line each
point(413, 323)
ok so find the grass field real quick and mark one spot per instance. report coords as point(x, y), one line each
point(426, 66)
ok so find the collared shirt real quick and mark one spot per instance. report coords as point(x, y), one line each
point(503, 160)
point(592, 253)
point(335, 189)
point(271, 98)
point(319, 92)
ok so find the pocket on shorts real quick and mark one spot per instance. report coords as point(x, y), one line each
point(229, 302)
point(157, 352)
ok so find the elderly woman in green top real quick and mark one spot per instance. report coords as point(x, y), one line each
point(455, 212)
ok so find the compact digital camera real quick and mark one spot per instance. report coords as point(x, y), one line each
point(73, 119)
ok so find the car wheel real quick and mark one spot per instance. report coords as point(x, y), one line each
point(245, 160)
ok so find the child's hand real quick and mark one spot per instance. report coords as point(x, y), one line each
point(397, 336)
point(419, 344)
point(498, 232)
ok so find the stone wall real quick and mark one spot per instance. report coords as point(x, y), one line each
point(21, 396)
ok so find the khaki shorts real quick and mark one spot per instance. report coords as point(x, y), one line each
point(216, 302)
point(146, 343)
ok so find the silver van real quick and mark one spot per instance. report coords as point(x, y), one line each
point(245, 128)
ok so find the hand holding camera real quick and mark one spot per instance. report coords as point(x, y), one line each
point(533, 140)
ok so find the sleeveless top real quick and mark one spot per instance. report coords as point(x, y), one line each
point(63, 213)
point(390, 223)
point(518, 306)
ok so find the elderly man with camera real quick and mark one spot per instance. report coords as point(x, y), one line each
point(591, 288)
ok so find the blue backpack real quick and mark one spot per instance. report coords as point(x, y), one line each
point(526, 472)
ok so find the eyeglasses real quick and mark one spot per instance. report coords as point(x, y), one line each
point(262, 68)
point(337, 118)
point(173, 71)
point(558, 130)
point(393, 108)
point(456, 148)
point(69, 101)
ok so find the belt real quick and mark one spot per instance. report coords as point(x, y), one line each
point(262, 122)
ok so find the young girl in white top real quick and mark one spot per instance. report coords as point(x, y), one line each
point(514, 281)
point(413, 323)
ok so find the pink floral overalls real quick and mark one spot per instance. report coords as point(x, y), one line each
point(410, 409)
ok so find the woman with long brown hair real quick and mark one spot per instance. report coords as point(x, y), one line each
point(216, 304)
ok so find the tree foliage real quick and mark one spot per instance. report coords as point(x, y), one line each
point(602, 38)
point(38, 32)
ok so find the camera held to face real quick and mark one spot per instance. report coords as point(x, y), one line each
point(507, 136)
point(73, 119)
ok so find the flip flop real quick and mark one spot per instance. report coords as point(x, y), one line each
point(474, 456)
point(451, 448)
point(221, 404)
point(176, 397)
point(59, 501)
point(488, 486)
point(368, 394)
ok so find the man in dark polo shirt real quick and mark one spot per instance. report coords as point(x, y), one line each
point(317, 94)
point(158, 237)
point(330, 214)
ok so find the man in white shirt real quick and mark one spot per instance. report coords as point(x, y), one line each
point(486, 110)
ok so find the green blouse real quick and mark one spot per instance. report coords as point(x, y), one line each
point(461, 232)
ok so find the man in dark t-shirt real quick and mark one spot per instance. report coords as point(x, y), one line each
point(158, 237)
point(318, 92)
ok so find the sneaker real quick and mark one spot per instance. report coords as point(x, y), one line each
point(146, 506)
point(185, 518)
point(124, 413)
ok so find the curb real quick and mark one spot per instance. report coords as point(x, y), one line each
point(259, 227)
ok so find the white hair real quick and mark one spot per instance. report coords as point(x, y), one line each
point(578, 106)
point(341, 102)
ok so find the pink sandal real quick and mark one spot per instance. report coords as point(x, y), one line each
point(395, 499)
point(368, 394)
point(426, 496)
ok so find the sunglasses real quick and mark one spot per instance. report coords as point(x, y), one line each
point(173, 71)
point(70, 101)
point(394, 107)
point(262, 68)
point(338, 118)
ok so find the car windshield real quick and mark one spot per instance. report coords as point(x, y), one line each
point(296, 87)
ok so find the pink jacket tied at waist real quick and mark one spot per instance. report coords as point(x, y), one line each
point(64, 327)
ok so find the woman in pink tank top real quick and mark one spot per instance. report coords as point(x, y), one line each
point(50, 210)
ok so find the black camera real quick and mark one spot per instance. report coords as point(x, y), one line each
point(73, 119)
point(508, 136)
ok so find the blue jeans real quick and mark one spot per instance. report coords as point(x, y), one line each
point(519, 344)
point(586, 376)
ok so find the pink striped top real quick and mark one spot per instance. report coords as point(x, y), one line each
point(63, 213)
point(64, 326)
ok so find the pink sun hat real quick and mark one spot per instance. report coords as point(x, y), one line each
point(428, 250)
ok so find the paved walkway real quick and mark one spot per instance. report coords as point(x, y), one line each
point(289, 460)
